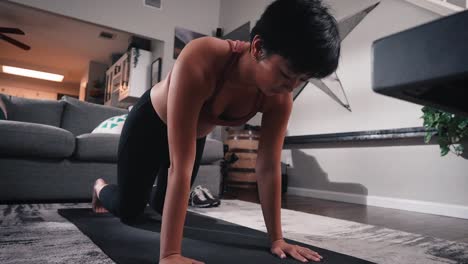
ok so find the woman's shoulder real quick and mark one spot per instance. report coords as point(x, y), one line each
point(211, 44)
point(212, 50)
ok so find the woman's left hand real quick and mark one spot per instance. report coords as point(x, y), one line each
point(281, 248)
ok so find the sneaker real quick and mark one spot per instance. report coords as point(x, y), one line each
point(198, 198)
point(214, 201)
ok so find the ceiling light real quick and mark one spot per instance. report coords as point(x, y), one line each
point(33, 74)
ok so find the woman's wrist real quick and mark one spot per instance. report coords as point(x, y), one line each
point(163, 256)
point(277, 239)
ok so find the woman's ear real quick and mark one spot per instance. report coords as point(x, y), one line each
point(256, 48)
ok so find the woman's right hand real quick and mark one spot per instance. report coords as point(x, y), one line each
point(179, 259)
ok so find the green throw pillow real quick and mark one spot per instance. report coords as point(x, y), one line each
point(3, 113)
point(111, 125)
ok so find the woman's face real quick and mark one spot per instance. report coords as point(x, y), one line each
point(273, 76)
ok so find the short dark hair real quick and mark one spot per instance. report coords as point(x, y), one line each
point(304, 33)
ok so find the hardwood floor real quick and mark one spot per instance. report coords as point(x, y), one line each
point(449, 228)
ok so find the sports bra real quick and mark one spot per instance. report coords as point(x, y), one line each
point(207, 108)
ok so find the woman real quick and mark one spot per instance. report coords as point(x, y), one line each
point(220, 82)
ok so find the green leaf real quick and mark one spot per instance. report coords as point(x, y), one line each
point(428, 137)
point(463, 125)
point(459, 149)
point(444, 150)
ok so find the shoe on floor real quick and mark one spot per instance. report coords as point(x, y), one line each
point(198, 199)
point(202, 197)
point(214, 201)
point(207, 194)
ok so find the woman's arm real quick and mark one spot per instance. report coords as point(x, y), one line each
point(188, 90)
point(268, 167)
point(268, 171)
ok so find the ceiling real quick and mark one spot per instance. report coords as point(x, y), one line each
point(58, 44)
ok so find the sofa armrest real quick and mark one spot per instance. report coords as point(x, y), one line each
point(213, 151)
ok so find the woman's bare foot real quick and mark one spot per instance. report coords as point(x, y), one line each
point(97, 206)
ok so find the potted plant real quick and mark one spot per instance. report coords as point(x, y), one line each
point(451, 130)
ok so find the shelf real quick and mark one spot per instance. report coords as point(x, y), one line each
point(370, 138)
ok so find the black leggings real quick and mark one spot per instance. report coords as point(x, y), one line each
point(143, 153)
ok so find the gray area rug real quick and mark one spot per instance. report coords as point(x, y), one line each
point(35, 233)
point(372, 243)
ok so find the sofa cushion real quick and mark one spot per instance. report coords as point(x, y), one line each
point(111, 125)
point(22, 139)
point(97, 147)
point(213, 151)
point(82, 117)
point(40, 111)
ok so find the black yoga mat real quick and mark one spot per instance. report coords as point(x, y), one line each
point(205, 238)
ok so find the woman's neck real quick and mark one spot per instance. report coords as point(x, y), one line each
point(244, 72)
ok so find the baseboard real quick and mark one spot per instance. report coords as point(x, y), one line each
point(387, 202)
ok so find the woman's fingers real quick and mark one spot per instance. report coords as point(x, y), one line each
point(295, 254)
point(310, 252)
point(277, 251)
point(304, 254)
point(311, 256)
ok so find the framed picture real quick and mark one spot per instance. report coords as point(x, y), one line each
point(240, 33)
point(182, 37)
point(155, 71)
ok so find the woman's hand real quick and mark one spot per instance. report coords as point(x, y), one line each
point(281, 248)
point(178, 259)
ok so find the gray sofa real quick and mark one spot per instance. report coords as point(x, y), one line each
point(48, 153)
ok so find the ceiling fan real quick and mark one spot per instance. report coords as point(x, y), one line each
point(12, 41)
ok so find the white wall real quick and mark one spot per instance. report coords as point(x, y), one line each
point(404, 177)
point(416, 173)
point(132, 16)
point(234, 14)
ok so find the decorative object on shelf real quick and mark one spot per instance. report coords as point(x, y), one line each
point(135, 54)
point(331, 85)
point(219, 32)
point(156, 71)
point(451, 130)
point(125, 88)
point(183, 37)
point(97, 90)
